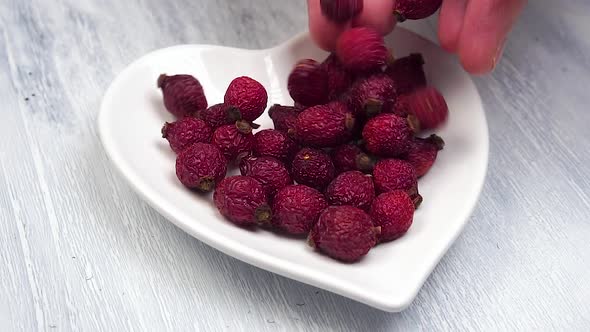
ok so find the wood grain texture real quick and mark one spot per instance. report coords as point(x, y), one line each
point(79, 251)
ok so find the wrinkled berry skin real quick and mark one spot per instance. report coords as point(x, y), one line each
point(324, 126)
point(313, 168)
point(388, 135)
point(339, 79)
point(361, 49)
point(233, 142)
point(242, 200)
point(284, 117)
point(394, 213)
point(273, 143)
point(341, 11)
point(270, 172)
point(297, 208)
point(349, 157)
point(408, 73)
point(308, 83)
point(351, 188)
point(219, 115)
point(248, 96)
point(423, 153)
point(183, 94)
point(201, 166)
point(185, 132)
point(415, 9)
point(345, 233)
point(368, 97)
point(429, 107)
point(392, 174)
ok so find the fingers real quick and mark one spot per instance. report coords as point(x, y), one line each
point(323, 32)
point(484, 31)
point(376, 13)
point(450, 23)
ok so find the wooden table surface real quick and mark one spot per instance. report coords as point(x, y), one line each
point(80, 251)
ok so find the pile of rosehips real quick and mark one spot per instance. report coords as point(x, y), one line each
point(349, 144)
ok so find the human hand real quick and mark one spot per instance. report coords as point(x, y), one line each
point(475, 30)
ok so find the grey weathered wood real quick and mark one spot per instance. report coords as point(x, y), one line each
point(80, 251)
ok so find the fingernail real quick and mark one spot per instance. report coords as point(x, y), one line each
point(498, 55)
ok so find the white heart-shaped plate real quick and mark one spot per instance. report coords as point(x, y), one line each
point(391, 275)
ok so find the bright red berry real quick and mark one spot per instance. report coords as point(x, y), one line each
point(313, 168)
point(185, 132)
point(242, 200)
point(345, 233)
point(248, 95)
point(361, 49)
point(201, 166)
point(271, 172)
point(351, 188)
point(183, 94)
point(394, 213)
point(297, 208)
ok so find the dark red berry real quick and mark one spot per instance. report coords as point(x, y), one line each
point(242, 200)
point(324, 126)
point(273, 143)
point(297, 208)
point(429, 107)
point(423, 153)
point(201, 166)
point(345, 233)
point(234, 140)
point(248, 96)
point(415, 9)
point(368, 97)
point(339, 79)
point(349, 157)
point(313, 168)
point(351, 188)
point(361, 49)
point(408, 73)
point(388, 135)
point(394, 213)
point(308, 83)
point(219, 115)
point(284, 117)
point(183, 94)
point(393, 174)
point(341, 11)
point(185, 132)
point(271, 173)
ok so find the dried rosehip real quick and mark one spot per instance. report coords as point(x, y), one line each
point(297, 208)
point(351, 188)
point(324, 126)
point(183, 94)
point(185, 132)
point(308, 83)
point(201, 166)
point(313, 168)
point(362, 49)
point(242, 200)
point(271, 173)
point(248, 96)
